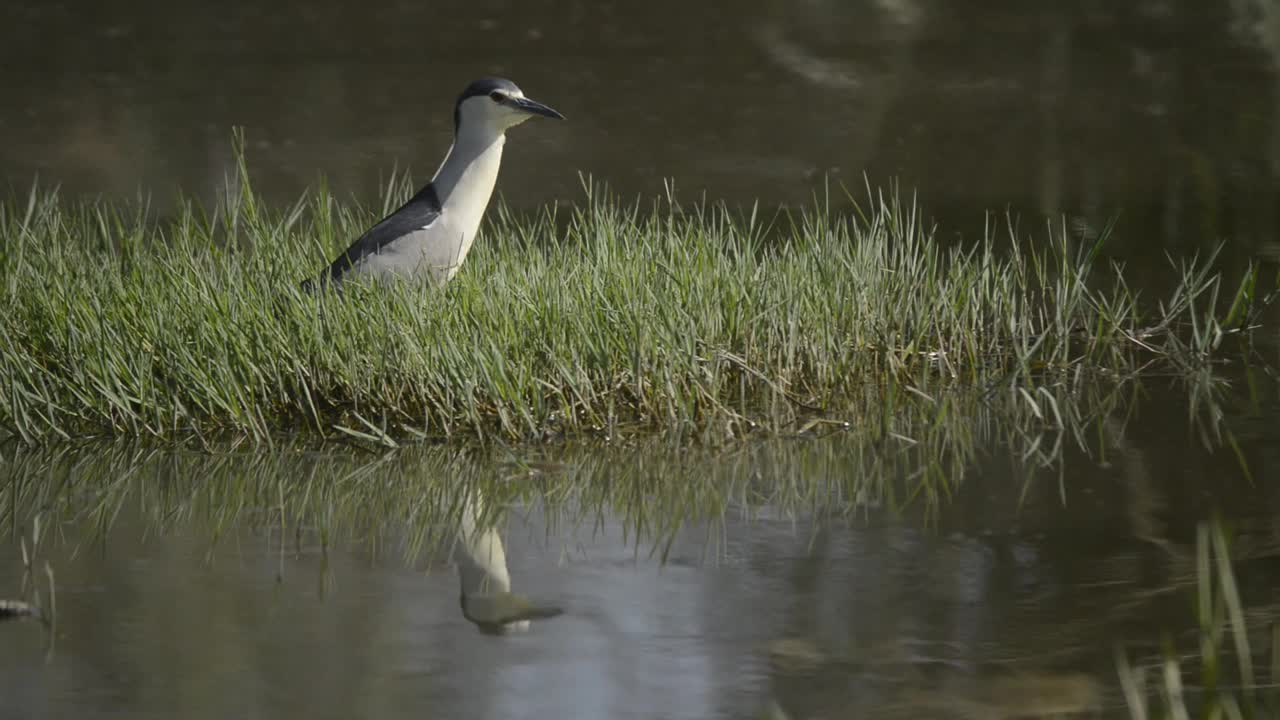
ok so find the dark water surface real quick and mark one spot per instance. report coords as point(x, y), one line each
point(1164, 113)
point(831, 577)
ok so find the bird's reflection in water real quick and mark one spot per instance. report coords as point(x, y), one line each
point(486, 596)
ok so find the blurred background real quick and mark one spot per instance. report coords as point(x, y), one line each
point(1160, 113)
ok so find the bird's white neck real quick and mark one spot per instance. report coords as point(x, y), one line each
point(466, 178)
point(463, 185)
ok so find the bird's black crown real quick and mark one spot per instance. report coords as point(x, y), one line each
point(486, 85)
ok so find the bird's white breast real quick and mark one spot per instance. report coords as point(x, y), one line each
point(464, 183)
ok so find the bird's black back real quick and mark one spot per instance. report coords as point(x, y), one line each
point(420, 211)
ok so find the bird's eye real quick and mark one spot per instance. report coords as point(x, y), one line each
point(497, 96)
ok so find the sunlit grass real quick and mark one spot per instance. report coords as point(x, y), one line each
point(594, 318)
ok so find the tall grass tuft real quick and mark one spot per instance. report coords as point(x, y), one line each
point(590, 318)
point(1218, 679)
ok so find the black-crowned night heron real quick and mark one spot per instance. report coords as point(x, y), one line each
point(430, 235)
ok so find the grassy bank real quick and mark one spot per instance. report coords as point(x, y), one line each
point(911, 458)
point(585, 319)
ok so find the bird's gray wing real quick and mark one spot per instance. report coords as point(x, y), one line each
point(420, 211)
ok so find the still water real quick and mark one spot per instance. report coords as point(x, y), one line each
point(807, 577)
point(1162, 113)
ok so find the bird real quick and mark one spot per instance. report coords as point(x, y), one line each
point(430, 235)
point(484, 581)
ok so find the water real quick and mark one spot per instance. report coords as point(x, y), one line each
point(1164, 114)
point(812, 577)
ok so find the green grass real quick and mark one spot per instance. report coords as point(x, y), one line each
point(602, 317)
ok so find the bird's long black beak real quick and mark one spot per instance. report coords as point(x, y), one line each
point(533, 107)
